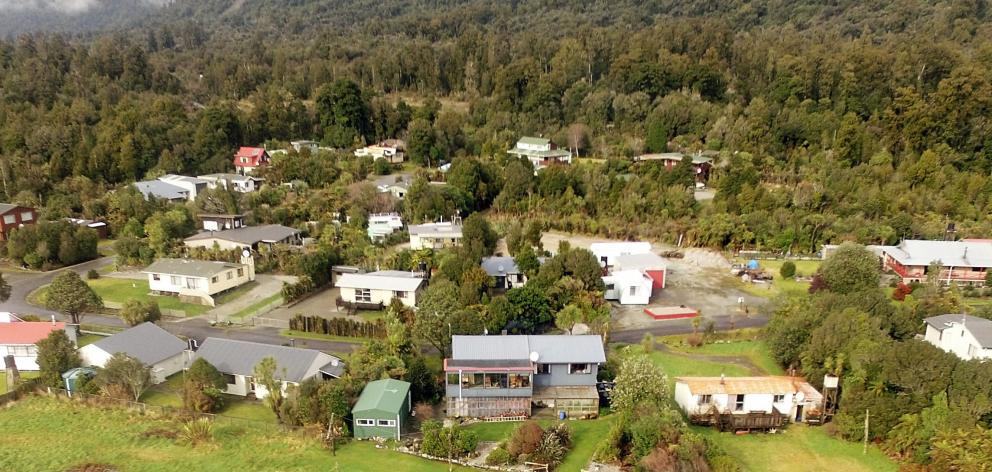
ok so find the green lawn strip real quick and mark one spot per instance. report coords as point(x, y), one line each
point(371, 315)
point(121, 290)
point(320, 337)
point(799, 447)
point(26, 374)
point(586, 436)
point(254, 307)
point(235, 293)
point(87, 339)
point(755, 351)
point(86, 434)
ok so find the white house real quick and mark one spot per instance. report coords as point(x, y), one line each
point(377, 151)
point(541, 152)
point(628, 287)
point(504, 271)
point(435, 235)
point(703, 398)
point(192, 185)
point(965, 336)
point(148, 343)
point(246, 237)
point(607, 252)
point(312, 146)
point(382, 225)
point(234, 182)
point(237, 360)
point(197, 281)
point(220, 222)
point(649, 263)
point(381, 287)
point(19, 339)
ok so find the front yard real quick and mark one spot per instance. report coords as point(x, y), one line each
point(586, 436)
point(117, 291)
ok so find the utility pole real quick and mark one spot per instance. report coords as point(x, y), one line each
point(864, 449)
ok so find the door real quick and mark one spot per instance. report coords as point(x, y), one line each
point(500, 282)
point(251, 385)
point(799, 413)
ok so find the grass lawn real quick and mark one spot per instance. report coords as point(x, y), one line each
point(169, 393)
point(800, 447)
point(370, 315)
point(586, 436)
point(779, 284)
point(755, 351)
point(236, 292)
point(120, 438)
point(121, 290)
point(24, 375)
point(88, 339)
point(254, 307)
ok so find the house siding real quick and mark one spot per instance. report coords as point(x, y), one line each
point(29, 362)
point(388, 432)
point(15, 218)
point(381, 296)
point(559, 377)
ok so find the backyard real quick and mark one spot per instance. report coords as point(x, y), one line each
point(586, 435)
point(169, 393)
point(130, 441)
point(117, 291)
point(779, 285)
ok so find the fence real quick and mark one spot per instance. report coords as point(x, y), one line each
point(270, 322)
point(166, 312)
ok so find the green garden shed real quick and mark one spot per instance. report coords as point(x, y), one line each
point(383, 409)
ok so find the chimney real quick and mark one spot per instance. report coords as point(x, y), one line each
point(13, 375)
point(53, 320)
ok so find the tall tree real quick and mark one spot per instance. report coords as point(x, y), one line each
point(267, 375)
point(437, 309)
point(4, 289)
point(124, 375)
point(344, 113)
point(56, 355)
point(70, 295)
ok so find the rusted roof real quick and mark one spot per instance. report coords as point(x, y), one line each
point(776, 385)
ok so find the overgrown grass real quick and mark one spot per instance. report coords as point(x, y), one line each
point(28, 374)
point(755, 351)
point(252, 309)
point(169, 393)
point(81, 434)
point(799, 447)
point(779, 284)
point(586, 436)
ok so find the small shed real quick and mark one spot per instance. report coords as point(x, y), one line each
point(73, 379)
point(382, 410)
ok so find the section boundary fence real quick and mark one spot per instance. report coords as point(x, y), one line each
point(270, 322)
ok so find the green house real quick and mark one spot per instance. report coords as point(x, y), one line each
point(383, 409)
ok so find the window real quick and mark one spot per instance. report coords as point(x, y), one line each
point(230, 275)
point(633, 291)
point(389, 423)
point(472, 380)
point(579, 369)
point(230, 379)
point(244, 160)
point(705, 399)
point(363, 295)
point(519, 381)
point(26, 216)
point(9, 219)
point(192, 283)
point(213, 279)
point(176, 280)
point(241, 272)
point(972, 351)
point(544, 368)
point(156, 277)
point(452, 379)
point(365, 422)
point(739, 403)
point(495, 381)
point(610, 287)
point(778, 399)
point(399, 294)
point(22, 351)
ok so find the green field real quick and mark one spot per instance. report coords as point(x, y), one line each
point(780, 285)
point(586, 435)
point(79, 434)
point(24, 375)
point(121, 290)
point(754, 351)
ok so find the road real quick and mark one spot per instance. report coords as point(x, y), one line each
point(22, 283)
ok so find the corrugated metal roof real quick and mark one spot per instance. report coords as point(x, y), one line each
point(189, 267)
point(240, 357)
point(146, 342)
point(642, 261)
point(436, 229)
point(500, 265)
point(980, 328)
point(382, 280)
point(249, 235)
point(383, 395)
point(774, 385)
point(27, 332)
point(534, 141)
point(551, 349)
point(916, 252)
point(159, 189)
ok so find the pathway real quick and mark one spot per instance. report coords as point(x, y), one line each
point(266, 286)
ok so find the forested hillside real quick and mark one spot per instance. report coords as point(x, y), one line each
point(833, 122)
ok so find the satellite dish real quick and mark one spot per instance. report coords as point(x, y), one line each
point(245, 253)
point(534, 356)
point(800, 396)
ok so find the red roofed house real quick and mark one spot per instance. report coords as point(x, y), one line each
point(18, 339)
point(248, 159)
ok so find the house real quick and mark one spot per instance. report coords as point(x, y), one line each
point(220, 222)
point(153, 346)
point(101, 228)
point(161, 190)
point(541, 152)
point(504, 376)
point(383, 410)
point(192, 185)
point(381, 287)
point(247, 159)
point(628, 287)
point(608, 252)
point(381, 225)
point(381, 151)
point(246, 237)
point(236, 360)
point(504, 271)
point(311, 146)
point(435, 235)
point(233, 182)
point(396, 185)
point(965, 336)
point(197, 281)
point(745, 403)
point(20, 339)
point(702, 162)
point(963, 262)
point(649, 263)
point(15, 216)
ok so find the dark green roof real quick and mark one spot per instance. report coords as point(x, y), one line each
point(383, 395)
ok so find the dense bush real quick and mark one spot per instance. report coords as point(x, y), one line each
point(439, 441)
point(203, 387)
point(788, 270)
point(50, 244)
point(338, 326)
point(498, 456)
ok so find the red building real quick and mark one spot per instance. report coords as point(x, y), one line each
point(702, 163)
point(247, 159)
point(14, 216)
point(964, 262)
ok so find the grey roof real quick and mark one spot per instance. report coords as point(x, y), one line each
point(980, 328)
point(950, 253)
point(159, 189)
point(249, 234)
point(446, 228)
point(643, 261)
point(534, 141)
point(293, 364)
point(5, 207)
point(698, 158)
point(228, 177)
point(500, 265)
point(551, 349)
point(182, 178)
point(189, 267)
point(146, 342)
point(382, 280)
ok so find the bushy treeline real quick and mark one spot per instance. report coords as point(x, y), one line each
point(338, 326)
point(50, 244)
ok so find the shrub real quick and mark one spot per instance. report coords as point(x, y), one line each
point(92, 274)
point(647, 342)
point(202, 389)
point(499, 456)
point(135, 312)
point(525, 439)
point(788, 270)
point(899, 294)
point(694, 340)
point(440, 442)
point(382, 167)
point(196, 431)
point(549, 451)
point(423, 411)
